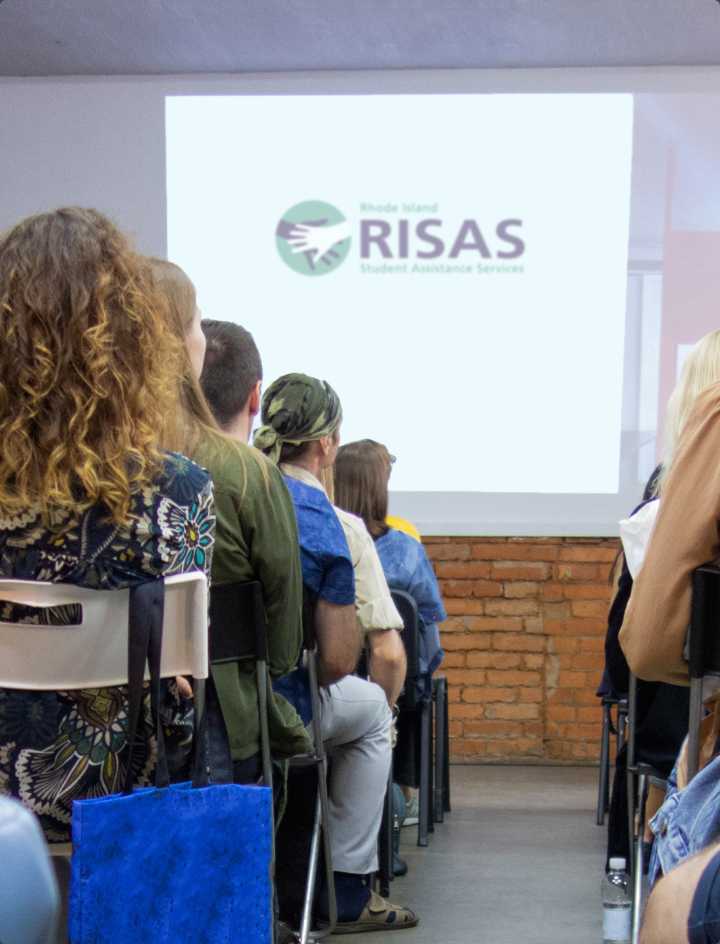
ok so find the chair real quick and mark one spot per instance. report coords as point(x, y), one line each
point(421, 706)
point(441, 778)
point(93, 653)
point(703, 651)
point(29, 899)
point(618, 729)
point(317, 758)
point(239, 634)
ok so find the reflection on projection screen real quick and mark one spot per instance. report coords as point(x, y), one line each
point(456, 266)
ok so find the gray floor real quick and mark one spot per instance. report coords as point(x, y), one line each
point(520, 859)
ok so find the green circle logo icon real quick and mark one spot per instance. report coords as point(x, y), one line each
point(313, 238)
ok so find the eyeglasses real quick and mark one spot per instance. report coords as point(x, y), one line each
point(392, 459)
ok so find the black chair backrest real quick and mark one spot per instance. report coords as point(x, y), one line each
point(407, 608)
point(238, 629)
point(704, 637)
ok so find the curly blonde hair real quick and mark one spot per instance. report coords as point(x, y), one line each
point(88, 369)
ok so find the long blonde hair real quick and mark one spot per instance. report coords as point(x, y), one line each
point(194, 422)
point(700, 371)
point(87, 367)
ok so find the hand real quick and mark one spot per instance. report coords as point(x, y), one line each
point(317, 239)
point(183, 686)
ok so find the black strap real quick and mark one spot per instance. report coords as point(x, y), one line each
point(145, 622)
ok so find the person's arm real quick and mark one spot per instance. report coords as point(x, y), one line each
point(377, 614)
point(668, 908)
point(338, 640)
point(388, 663)
point(275, 558)
point(685, 536)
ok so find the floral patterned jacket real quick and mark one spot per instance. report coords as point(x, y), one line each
point(56, 747)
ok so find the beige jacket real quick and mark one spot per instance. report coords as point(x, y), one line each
point(686, 535)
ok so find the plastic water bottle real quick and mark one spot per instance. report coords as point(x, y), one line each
point(617, 904)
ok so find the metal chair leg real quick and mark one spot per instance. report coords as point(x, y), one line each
point(431, 767)
point(305, 924)
point(637, 869)
point(424, 790)
point(440, 759)
point(385, 840)
point(603, 780)
point(446, 743)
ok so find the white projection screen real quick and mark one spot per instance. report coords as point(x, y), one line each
point(501, 287)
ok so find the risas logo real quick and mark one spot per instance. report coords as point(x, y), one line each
point(314, 238)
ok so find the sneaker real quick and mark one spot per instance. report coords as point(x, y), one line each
point(412, 811)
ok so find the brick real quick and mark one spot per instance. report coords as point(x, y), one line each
point(591, 645)
point(490, 624)
point(592, 715)
point(567, 571)
point(455, 588)
point(505, 660)
point(486, 695)
point(520, 570)
point(492, 728)
point(464, 607)
point(534, 624)
point(448, 552)
point(518, 589)
point(456, 624)
point(487, 588)
point(518, 747)
point(564, 644)
point(455, 660)
point(513, 712)
point(533, 661)
point(557, 611)
point(511, 642)
point(465, 711)
point(479, 660)
point(588, 660)
point(589, 554)
point(586, 591)
point(456, 728)
point(530, 696)
point(515, 551)
point(576, 627)
point(462, 570)
point(463, 642)
point(591, 608)
point(511, 607)
point(572, 679)
point(552, 591)
point(561, 712)
point(465, 676)
point(513, 677)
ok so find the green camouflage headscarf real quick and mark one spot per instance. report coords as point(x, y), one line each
point(296, 409)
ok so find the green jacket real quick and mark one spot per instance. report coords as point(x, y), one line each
point(256, 539)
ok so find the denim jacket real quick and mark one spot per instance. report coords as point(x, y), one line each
point(687, 821)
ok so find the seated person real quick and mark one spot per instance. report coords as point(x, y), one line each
point(256, 534)
point(661, 714)
point(301, 417)
point(684, 907)
point(362, 473)
point(87, 378)
point(686, 535)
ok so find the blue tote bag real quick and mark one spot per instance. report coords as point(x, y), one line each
point(182, 863)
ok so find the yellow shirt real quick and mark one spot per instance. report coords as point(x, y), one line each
point(400, 524)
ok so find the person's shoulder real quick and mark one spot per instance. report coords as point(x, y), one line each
point(403, 525)
point(353, 524)
point(182, 476)
point(235, 466)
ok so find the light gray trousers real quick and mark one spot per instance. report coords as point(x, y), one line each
point(355, 720)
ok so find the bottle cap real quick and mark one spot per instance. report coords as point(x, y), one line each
point(617, 865)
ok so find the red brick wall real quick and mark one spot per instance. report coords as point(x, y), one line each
point(523, 642)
